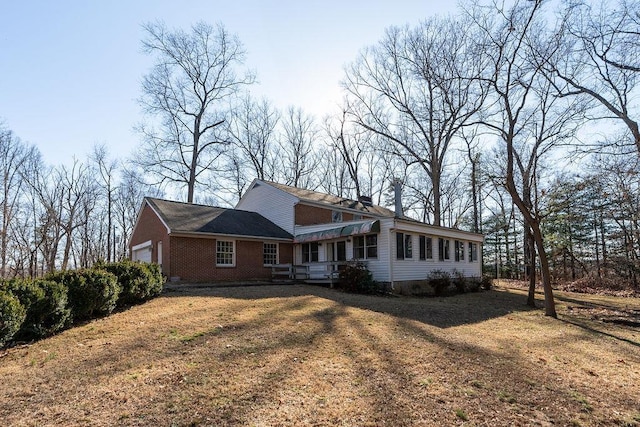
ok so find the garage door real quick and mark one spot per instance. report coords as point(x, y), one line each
point(141, 252)
point(143, 255)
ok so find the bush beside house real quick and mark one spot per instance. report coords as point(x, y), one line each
point(92, 292)
point(12, 315)
point(46, 306)
point(139, 282)
point(37, 308)
point(356, 278)
point(441, 283)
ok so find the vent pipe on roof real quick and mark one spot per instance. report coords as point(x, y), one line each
point(397, 193)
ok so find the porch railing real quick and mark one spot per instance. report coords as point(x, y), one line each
point(316, 272)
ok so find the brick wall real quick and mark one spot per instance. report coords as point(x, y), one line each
point(286, 253)
point(194, 259)
point(310, 215)
point(150, 227)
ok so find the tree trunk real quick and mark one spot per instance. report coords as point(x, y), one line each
point(532, 222)
point(531, 266)
point(549, 303)
point(435, 183)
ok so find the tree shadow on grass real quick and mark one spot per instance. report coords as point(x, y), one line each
point(442, 312)
point(283, 345)
point(598, 316)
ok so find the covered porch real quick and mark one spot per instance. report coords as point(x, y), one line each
point(322, 251)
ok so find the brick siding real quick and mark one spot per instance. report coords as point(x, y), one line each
point(194, 260)
point(150, 227)
point(285, 253)
point(311, 215)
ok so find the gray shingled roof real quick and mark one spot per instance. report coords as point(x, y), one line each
point(333, 201)
point(191, 218)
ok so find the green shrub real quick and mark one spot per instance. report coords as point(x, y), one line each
point(459, 281)
point(355, 277)
point(439, 281)
point(486, 282)
point(157, 280)
point(473, 284)
point(46, 308)
point(92, 292)
point(12, 314)
point(139, 281)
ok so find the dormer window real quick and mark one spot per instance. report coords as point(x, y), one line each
point(336, 216)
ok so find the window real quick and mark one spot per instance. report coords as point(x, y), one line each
point(357, 217)
point(372, 245)
point(426, 248)
point(270, 253)
point(404, 246)
point(443, 249)
point(358, 247)
point(224, 253)
point(458, 250)
point(473, 252)
point(365, 246)
point(336, 216)
point(310, 252)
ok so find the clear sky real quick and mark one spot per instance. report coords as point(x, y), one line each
point(70, 70)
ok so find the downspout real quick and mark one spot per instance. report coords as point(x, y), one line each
point(392, 231)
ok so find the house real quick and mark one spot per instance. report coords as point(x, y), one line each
point(399, 251)
point(203, 243)
point(275, 224)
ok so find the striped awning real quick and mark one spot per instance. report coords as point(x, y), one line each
point(372, 226)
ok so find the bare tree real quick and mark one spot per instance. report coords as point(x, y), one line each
point(185, 92)
point(129, 194)
point(412, 89)
point(517, 112)
point(13, 157)
point(351, 144)
point(46, 193)
point(106, 169)
point(297, 153)
point(252, 133)
point(473, 157)
point(78, 200)
point(336, 178)
point(599, 57)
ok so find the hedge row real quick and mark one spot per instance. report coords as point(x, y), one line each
point(37, 308)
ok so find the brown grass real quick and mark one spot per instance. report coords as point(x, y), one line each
point(308, 356)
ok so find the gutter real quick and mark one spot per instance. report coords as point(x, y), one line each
point(203, 235)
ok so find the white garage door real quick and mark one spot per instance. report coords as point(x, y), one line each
point(143, 255)
point(141, 252)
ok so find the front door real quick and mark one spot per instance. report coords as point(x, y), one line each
point(341, 251)
point(336, 251)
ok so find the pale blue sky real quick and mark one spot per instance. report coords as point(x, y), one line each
point(70, 71)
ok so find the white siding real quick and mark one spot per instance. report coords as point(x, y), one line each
point(270, 202)
point(386, 267)
point(380, 267)
point(417, 269)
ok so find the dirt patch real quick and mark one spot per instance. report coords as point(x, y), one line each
point(295, 355)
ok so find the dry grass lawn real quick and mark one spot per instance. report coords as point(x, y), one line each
point(308, 356)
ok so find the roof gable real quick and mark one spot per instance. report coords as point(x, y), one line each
point(331, 201)
point(192, 218)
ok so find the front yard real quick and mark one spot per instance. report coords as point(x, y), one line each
point(303, 355)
